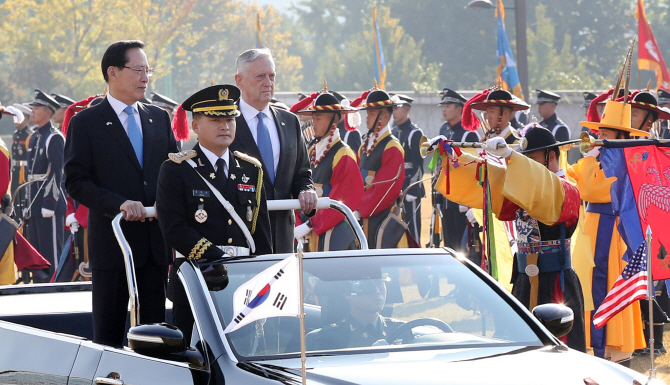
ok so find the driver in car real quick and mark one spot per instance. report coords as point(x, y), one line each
point(364, 325)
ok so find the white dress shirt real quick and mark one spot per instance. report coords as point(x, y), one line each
point(250, 115)
point(212, 157)
point(119, 106)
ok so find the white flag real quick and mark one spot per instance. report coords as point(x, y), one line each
point(274, 292)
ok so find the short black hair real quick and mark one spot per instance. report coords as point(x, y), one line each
point(390, 110)
point(117, 55)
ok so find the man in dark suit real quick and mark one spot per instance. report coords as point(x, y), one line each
point(272, 136)
point(113, 154)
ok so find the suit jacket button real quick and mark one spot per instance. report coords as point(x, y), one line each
point(145, 182)
point(230, 240)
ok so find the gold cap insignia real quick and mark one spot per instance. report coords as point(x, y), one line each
point(223, 94)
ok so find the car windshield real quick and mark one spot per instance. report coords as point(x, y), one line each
point(380, 303)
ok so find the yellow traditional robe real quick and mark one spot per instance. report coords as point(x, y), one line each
point(624, 331)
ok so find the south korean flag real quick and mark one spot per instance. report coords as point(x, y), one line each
point(274, 292)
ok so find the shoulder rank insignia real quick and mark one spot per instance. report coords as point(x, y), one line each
point(248, 158)
point(179, 157)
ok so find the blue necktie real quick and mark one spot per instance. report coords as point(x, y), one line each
point(135, 134)
point(265, 147)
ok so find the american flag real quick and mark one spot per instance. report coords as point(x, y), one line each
point(632, 285)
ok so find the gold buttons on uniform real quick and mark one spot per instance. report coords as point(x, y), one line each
point(230, 240)
point(230, 221)
point(202, 200)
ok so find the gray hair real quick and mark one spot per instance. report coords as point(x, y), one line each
point(251, 55)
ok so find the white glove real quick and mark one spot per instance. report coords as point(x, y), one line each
point(491, 146)
point(300, 231)
point(410, 198)
point(70, 220)
point(24, 212)
point(357, 215)
point(595, 151)
point(463, 209)
point(46, 213)
point(74, 227)
point(471, 217)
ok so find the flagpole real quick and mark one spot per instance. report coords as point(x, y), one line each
point(650, 295)
point(303, 357)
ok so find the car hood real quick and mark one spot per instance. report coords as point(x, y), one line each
point(500, 365)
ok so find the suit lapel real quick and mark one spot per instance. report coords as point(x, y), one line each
point(148, 130)
point(283, 141)
point(114, 128)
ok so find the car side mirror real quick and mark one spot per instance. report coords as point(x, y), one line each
point(156, 340)
point(558, 319)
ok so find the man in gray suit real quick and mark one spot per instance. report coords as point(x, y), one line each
point(273, 136)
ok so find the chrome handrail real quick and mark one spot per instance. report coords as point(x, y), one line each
point(130, 264)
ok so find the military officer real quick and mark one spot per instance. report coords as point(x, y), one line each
point(193, 187)
point(454, 222)
point(335, 174)
point(165, 103)
point(363, 326)
point(64, 103)
point(546, 108)
point(46, 201)
point(409, 135)
point(20, 157)
point(664, 101)
point(349, 134)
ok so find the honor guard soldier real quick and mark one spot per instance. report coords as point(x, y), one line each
point(588, 98)
point(645, 110)
point(454, 222)
point(499, 106)
point(664, 101)
point(546, 108)
point(210, 201)
point(336, 175)
point(46, 201)
point(409, 135)
point(20, 158)
point(165, 103)
point(382, 165)
point(543, 270)
point(64, 103)
point(623, 334)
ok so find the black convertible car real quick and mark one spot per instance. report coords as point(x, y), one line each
point(401, 316)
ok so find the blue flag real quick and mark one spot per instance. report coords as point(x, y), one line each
point(506, 67)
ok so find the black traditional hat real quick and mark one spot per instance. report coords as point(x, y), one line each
point(588, 97)
point(646, 101)
point(63, 100)
point(547, 97)
point(163, 101)
point(402, 100)
point(326, 102)
point(42, 99)
point(214, 101)
point(539, 138)
point(501, 98)
point(663, 97)
point(377, 99)
point(338, 96)
point(450, 96)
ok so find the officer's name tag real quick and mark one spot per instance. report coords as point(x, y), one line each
point(201, 193)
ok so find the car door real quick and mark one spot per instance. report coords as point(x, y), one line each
point(123, 366)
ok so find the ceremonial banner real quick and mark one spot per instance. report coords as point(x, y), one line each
point(259, 44)
point(274, 292)
point(648, 54)
point(506, 68)
point(380, 68)
point(641, 198)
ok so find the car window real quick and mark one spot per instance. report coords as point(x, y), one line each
point(380, 303)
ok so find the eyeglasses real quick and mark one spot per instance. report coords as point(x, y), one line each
point(148, 71)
